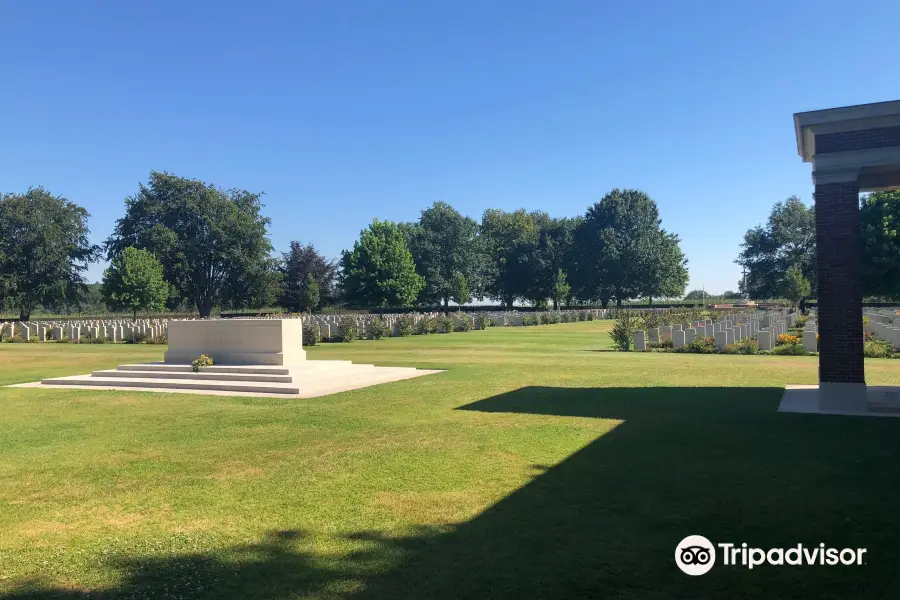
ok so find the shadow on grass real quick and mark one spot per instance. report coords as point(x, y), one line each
point(604, 523)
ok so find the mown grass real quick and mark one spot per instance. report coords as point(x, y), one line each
point(540, 465)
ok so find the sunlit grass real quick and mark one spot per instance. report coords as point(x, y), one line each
point(565, 448)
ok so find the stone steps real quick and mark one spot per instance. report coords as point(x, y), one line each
point(201, 376)
point(308, 366)
point(309, 379)
point(175, 384)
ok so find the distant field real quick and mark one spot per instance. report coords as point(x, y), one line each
point(540, 465)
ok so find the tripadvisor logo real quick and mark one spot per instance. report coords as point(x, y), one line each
point(696, 555)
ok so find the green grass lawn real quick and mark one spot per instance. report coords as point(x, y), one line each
point(539, 465)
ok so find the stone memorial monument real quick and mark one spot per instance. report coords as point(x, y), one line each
point(237, 341)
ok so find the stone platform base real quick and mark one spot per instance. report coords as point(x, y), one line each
point(862, 401)
point(306, 380)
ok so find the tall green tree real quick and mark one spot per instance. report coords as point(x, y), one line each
point(666, 274)
point(297, 265)
point(311, 296)
point(134, 282)
point(44, 250)
point(787, 239)
point(444, 242)
point(508, 237)
point(379, 271)
point(623, 252)
point(460, 290)
point(550, 251)
point(562, 291)
point(213, 243)
point(880, 217)
point(795, 286)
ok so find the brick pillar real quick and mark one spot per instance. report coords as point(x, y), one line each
point(838, 248)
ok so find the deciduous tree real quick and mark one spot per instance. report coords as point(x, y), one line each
point(787, 239)
point(508, 237)
point(623, 252)
point(44, 250)
point(460, 290)
point(297, 265)
point(311, 297)
point(795, 286)
point(135, 282)
point(880, 216)
point(561, 289)
point(379, 272)
point(212, 243)
point(444, 242)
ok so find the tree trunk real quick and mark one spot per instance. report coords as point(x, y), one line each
point(134, 316)
point(649, 300)
point(24, 314)
point(555, 304)
point(205, 307)
point(446, 303)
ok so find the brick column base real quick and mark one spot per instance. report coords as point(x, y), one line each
point(838, 248)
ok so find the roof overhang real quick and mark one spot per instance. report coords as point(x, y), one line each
point(845, 118)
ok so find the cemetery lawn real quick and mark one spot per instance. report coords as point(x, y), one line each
point(539, 465)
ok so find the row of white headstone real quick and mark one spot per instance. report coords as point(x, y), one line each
point(112, 330)
point(881, 322)
point(330, 325)
point(731, 329)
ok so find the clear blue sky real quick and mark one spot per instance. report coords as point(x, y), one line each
point(342, 111)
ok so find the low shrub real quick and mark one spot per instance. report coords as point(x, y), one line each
point(349, 329)
point(312, 334)
point(530, 319)
point(428, 325)
point(160, 339)
point(866, 321)
point(730, 349)
point(405, 326)
point(564, 317)
point(786, 338)
point(701, 345)
point(378, 329)
point(876, 348)
point(748, 346)
point(136, 338)
point(801, 321)
point(465, 323)
point(446, 324)
point(482, 321)
point(555, 318)
point(100, 339)
point(582, 316)
point(201, 361)
point(663, 344)
point(622, 332)
point(794, 349)
point(590, 316)
point(16, 339)
point(544, 318)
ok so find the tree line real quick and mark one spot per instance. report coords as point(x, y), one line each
point(779, 257)
point(183, 243)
